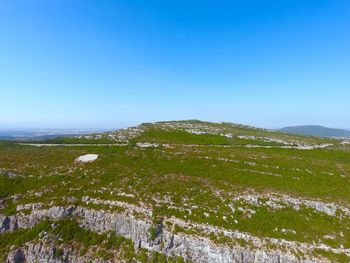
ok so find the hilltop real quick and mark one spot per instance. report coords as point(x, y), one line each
point(176, 191)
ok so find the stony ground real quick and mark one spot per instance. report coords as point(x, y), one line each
point(174, 192)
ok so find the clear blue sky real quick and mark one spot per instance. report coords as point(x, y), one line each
point(106, 64)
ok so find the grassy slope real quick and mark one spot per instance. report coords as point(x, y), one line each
point(192, 176)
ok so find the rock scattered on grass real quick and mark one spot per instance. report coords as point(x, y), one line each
point(87, 158)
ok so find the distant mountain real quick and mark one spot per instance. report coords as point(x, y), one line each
point(316, 130)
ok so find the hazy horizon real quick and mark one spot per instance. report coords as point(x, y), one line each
point(121, 126)
point(87, 64)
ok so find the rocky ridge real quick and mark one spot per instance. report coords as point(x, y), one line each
point(190, 247)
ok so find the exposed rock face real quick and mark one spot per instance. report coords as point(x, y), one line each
point(196, 249)
point(275, 201)
point(11, 223)
point(190, 247)
point(46, 252)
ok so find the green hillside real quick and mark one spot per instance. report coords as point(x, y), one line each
point(191, 175)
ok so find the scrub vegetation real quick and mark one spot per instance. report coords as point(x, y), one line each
point(224, 175)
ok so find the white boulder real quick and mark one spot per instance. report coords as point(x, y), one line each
point(87, 158)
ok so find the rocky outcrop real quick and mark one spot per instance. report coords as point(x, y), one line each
point(48, 253)
point(196, 249)
point(280, 201)
point(13, 222)
point(191, 247)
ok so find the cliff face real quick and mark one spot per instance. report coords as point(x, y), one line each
point(42, 252)
point(189, 247)
point(45, 252)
